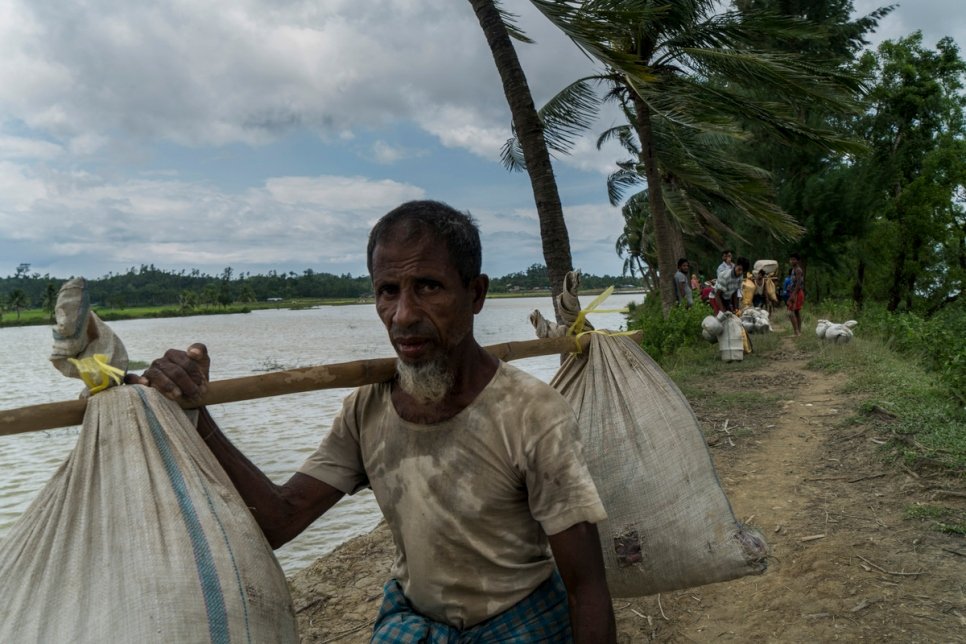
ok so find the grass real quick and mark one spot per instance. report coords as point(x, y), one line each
point(899, 398)
point(905, 402)
point(941, 519)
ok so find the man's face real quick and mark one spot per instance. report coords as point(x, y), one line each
point(726, 258)
point(793, 261)
point(685, 267)
point(422, 301)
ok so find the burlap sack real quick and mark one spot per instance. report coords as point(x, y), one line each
point(79, 333)
point(140, 537)
point(669, 524)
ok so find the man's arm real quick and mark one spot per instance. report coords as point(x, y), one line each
point(719, 296)
point(581, 564)
point(281, 511)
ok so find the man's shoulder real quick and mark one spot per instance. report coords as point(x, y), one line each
point(514, 387)
point(511, 376)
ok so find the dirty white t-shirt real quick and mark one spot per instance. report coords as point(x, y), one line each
point(469, 500)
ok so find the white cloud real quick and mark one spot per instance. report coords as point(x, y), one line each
point(387, 154)
point(18, 147)
point(289, 222)
point(91, 91)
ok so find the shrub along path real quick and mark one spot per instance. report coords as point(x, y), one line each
point(800, 463)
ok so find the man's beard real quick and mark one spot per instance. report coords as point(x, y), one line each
point(428, 382)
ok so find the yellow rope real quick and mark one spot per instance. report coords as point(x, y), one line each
point(96, 372)
point(577, 328)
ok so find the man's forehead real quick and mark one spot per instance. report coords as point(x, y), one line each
point(423, 254)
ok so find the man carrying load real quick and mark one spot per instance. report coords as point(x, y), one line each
point(727, 289)
point(474, 463)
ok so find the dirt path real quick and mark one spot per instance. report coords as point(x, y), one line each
point(845, 563)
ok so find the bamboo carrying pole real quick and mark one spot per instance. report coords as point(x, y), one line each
point(292, 381)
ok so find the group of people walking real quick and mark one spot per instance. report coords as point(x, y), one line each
point(736, 287)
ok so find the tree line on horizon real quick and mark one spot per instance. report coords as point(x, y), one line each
point(149, 286)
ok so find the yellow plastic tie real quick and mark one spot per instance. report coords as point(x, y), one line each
point(96, 372)
point(577, 328)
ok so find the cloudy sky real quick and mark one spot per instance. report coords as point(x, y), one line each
point(271, 134)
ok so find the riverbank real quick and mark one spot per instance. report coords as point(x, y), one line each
point(864, 545)
point(37, 317)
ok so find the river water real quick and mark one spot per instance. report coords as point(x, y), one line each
point(278, 433)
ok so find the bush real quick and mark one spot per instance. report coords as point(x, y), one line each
point(663, 336)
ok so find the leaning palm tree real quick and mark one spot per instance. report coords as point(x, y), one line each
point(691, 76)
point(497, 27)
point(635, 245)
point(703, 185)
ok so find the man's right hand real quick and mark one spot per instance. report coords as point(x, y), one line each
point(178, 375)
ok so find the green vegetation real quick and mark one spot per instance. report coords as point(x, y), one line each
point(941, 518)
point(908, 391)
point(902, 372)
point(149, 292)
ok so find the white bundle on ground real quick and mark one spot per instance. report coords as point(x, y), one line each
point(755, 320)
point(711, 328)
point(669, 524)
point(731, 342)
point(835, 333)
point(139, 537)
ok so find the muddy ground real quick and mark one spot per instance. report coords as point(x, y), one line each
point(846, 564)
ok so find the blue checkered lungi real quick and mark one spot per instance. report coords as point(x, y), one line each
point(541, 616)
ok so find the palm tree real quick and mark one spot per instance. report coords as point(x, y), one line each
point(498, 27)
point(17, 300)
point(635, 245)
point(690, 78)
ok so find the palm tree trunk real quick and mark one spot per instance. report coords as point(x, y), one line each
point(529, 130)
point(667, 237)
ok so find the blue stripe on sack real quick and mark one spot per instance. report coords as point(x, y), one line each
point(234, 564)
point(204, 562)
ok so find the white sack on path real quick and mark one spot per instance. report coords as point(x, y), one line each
point(140, 537)
point(669, 524)
point(731, 342)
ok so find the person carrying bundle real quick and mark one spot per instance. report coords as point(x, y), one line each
point(474, 463)
point(727, 289)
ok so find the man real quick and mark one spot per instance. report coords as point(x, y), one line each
point(796, 293)
point(682, 288)
point(474, 463)
point(727, 290)
point(726, 264)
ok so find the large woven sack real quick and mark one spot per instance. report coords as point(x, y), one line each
point(669, 524)
point(140, 537)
